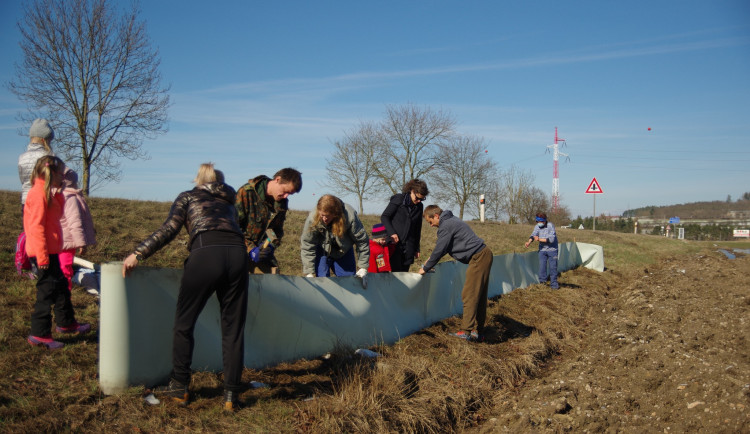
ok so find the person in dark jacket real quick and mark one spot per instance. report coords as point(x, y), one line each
point(217, 263)
point(457, 239)
point(402, 219)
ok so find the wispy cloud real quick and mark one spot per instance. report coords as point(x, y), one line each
point(321, 87)
point(446, 48)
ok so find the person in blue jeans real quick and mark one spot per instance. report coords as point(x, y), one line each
point(332, 233)
point(544, 233)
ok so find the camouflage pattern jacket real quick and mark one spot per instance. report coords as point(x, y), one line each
point(207, 207)
point(256, 214)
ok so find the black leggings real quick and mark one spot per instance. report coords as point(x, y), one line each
point(210, 268)
point(51, 290)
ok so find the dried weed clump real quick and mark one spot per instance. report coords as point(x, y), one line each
point(432, 382)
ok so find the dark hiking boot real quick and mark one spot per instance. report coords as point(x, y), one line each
point(231, 400)
point(174, 391)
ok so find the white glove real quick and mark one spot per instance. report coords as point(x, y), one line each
point(362, 274)
point(310, 275)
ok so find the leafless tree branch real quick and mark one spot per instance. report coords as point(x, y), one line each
point(462, 170)
point(351, 167)
point(410, 140)
point(91, 71)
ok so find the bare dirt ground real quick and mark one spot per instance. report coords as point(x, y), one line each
point(667, 352)
point(662, 350)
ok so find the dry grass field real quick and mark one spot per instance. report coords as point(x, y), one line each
point(657, 342)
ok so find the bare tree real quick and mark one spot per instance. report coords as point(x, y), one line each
point(494, 197)
point(352, 165)
point(461, 172)
point(512, 193)
point(411, 137)
point(532, 201)
point(559, 216)
point(92, 72)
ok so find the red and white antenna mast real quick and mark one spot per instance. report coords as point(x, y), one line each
point(555, 171)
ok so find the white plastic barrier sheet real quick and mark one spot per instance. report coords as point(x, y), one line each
point(291, 317)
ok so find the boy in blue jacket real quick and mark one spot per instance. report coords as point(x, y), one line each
point(456, 238)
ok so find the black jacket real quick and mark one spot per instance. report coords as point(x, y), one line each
point(207, 207)
point(404, 218)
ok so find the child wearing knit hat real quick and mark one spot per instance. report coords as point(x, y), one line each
point(40, 139)
point(381, 250)
point(41, 128)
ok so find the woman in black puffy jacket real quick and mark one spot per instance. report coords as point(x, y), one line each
point(217, 262)
point(402, 219)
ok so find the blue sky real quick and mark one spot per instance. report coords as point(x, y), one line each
point(257, 86)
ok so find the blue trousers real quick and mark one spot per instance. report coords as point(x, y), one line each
point(548, 257)
point(343, 266)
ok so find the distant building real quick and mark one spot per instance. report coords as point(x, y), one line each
point(739, 215)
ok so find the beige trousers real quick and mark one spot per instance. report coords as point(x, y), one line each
point(474, 294)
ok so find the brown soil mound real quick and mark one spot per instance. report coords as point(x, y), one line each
point(667, 352)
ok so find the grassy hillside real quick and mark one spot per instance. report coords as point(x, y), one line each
point(695, 210)
point(121, 224)
point(426, 382)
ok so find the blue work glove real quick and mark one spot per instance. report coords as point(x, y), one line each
point(265, 254)
point(254, 254)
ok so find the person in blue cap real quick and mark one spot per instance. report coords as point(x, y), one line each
point(544, 233)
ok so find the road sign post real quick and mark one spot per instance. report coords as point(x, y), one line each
point(594, 188)
point(481, 208)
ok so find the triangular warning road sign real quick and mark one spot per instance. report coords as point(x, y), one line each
point(594, 187)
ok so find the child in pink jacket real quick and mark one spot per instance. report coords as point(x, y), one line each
point(77, 224)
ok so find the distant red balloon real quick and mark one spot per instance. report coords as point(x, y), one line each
point(649, 128)
point(485, 151)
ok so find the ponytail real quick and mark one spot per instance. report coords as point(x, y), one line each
point(44, 168)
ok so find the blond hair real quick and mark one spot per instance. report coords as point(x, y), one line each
point(43, 169)
point(207, 174)
point(46, 143)
point(332, 206)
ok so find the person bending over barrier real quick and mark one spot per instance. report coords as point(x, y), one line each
point(456, 238)
point(332, 231)
point(217, 263)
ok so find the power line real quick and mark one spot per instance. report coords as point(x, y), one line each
point(702, 160)
point(681, 168)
